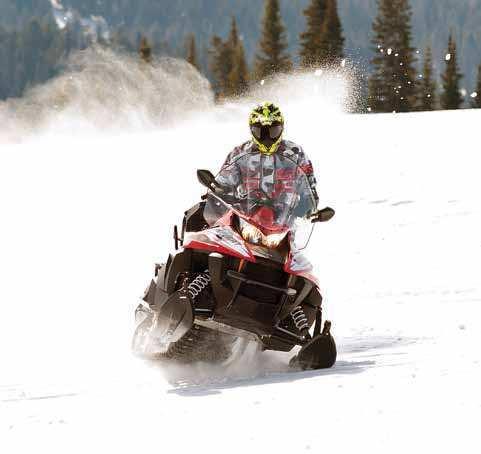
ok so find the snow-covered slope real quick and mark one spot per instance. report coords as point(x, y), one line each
point(85, 215)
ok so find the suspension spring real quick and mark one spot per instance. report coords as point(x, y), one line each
point(299, 318)
point(198, 285)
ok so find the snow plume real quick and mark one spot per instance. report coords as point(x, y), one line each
point(102, 90)
point(325, 89)
point(56, 5)
point(199, 377)
point(62, 16)
point(93, 27)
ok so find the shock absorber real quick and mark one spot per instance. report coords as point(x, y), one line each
point(300, 319)
point(198, 285)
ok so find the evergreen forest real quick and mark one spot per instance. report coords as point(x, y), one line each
point(416, 54)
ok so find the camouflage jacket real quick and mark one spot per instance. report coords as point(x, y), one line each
point(281, 176)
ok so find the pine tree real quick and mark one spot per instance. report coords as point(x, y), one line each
point(230, 49)
point(392, 86)
point(239, 76)
point(221, 61)
point(228, 64)
point(451, 97)
point(476, 103)
point(221, 65)
point(427, 89)
point(145, 51)
point(272, 56)
point(311, 38)
point(238, 79)
point(192, 51)
point(233, 39)
point(332, 41)
point(217, 66)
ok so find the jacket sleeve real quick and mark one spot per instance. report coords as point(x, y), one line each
point(230, 173)
point(306, 165)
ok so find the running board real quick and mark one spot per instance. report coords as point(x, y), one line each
point(226, 329)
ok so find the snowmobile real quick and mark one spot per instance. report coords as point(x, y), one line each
point(238, 276)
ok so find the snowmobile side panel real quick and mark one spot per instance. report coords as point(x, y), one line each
point(298, 265)
point(161, 272)
point(174, 319)
point(314, 298)
point(194, 220)
point(180, 263)
point(160, 298)
point(149, 295)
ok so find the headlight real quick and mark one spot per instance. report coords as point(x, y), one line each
point(274, 240)
point(253, 235)
point(250, 233)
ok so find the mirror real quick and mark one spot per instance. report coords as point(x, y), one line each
point(323, 215)
point(206, 178)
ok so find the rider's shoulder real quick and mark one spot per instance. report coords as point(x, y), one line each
point(245, 147)
point(239, 151)
point(292, 150)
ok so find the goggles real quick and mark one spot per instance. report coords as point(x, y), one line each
point(269, 134)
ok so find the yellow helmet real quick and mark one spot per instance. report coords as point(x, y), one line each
point(267, 125)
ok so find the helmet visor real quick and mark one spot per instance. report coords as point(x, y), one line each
point(269, 134)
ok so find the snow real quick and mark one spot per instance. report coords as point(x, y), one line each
point(56, 4)
point(93, 26)
point(84, 216)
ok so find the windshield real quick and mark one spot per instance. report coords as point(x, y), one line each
point(270, 192)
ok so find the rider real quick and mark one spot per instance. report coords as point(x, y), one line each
point(267, 164)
